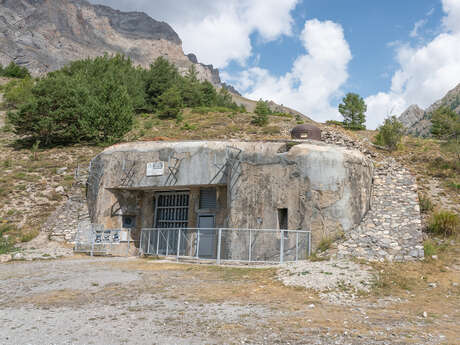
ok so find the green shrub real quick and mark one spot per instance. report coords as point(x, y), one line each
point(261, 113)
point(78, 104)
point(18, 92)
point(148, 124)
point(445, 223)
point(14, 71)
point(334, 123)
point(425, 203)
point(390, 133)
point(170, 103)
point(6, 245)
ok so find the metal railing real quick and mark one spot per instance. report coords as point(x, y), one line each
point(224, 244)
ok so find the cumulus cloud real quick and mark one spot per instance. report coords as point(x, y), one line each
point(425, 73)
point(218, 31)
point(314, 79)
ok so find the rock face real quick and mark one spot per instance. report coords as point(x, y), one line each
point(44, 35)
point(418, 121)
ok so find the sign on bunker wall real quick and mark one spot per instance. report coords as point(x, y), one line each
point(155, 168)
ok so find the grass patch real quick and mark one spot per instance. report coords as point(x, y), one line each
point(444, 223)
point(426, 205)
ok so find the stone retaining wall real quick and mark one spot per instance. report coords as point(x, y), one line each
point(392, 229)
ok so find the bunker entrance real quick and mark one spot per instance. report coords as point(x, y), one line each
point(171, 212)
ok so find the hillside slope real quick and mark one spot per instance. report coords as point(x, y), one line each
point(418, 121)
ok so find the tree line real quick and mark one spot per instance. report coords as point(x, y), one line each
point(95, 100)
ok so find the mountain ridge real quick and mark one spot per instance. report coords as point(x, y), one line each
point(45, 35)
point(417, 121)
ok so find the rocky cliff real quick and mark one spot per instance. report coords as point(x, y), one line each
point(44, 35)
point(418, 121)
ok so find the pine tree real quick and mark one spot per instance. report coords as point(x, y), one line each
point(353, 110)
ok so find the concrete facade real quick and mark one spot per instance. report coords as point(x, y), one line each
point(322, 188)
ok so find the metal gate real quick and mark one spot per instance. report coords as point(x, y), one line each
point(171, 211)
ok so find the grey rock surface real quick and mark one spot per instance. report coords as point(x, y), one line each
point(46, 35)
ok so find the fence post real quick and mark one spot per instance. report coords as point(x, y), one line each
point(148, 243)
point(167, 243)
point(129, 238)
point(282, 247)
point(250, 246)
point(296, 246)
point(93, 238)
point(178, 246)
point(198, 243)
point(219, 241)
point(309, 243)
point(158, 240)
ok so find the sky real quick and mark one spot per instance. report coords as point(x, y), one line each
point(307, 54)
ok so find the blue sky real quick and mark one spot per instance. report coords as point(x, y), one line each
point(307, 54)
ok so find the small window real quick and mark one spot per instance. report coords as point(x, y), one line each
point(128, 221)
point(208, 198)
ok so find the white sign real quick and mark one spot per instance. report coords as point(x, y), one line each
point(155, 168)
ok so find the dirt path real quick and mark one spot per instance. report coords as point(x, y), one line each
point(136, 301)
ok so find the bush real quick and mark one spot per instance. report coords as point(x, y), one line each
point(261, 113)
point(74, 105)
point(170, 103)
point(17, 92)
point(390, 133)
point(334, 123)
point(14, 71)
point(444, 223)
point(425, 203)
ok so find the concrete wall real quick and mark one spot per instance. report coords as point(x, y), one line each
point(326, 189)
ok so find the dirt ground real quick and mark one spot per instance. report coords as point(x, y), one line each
point(138, 301)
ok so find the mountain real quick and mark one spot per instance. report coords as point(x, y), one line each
point(418, 121)
point(44, 35)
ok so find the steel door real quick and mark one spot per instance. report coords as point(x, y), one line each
point(207, 237)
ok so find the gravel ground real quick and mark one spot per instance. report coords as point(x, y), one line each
point(136, 301)
point(337, 281)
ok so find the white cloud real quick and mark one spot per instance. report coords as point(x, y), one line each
point(315, 78)
point(417, 26)
point(218, 31)
point(425, 73)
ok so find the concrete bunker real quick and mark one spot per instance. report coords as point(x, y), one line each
point(203, 186)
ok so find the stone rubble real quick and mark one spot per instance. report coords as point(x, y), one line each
point(392, 229)
point(63, 223)
point(337, 281)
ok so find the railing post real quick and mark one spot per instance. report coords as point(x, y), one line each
point(148, 243)
point(167, 243)
point(178, 246)
point(282, 247)
point(129, 238)
point(198, 243)
point(296, 246)
point(250, 246)
point(219, 241)
point(158, 240)
point(93, 238)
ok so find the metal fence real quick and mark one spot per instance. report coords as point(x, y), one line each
point(223, 244)
point(94, 239)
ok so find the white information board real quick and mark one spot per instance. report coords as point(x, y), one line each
point(155, 168)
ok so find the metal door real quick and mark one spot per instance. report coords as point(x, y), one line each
point(207, 237)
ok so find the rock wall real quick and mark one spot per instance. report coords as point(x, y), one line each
point(46, 35)
point(392, 228)
point(63, 223)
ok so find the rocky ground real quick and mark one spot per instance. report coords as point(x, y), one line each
point(139, 301)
